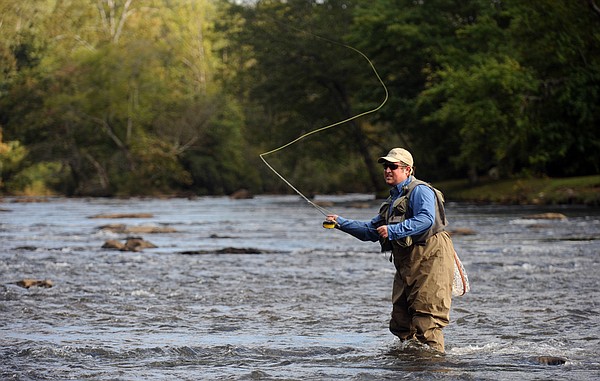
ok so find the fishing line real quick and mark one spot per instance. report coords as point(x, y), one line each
point(322, 210)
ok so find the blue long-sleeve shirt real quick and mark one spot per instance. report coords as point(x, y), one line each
point(422, 201)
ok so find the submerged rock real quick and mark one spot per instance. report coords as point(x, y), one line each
point(461, 231)
point(123, 215)
point(227, 250)
point(551, 360)
point(149, 229)
point(547, 216)
point(144, 229)
point(26, 248)
point(27, 283)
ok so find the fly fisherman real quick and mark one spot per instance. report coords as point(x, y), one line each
point(411, 224)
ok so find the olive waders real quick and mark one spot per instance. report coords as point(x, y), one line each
point(422, 291)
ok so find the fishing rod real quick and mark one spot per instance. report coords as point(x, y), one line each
point(326, 224)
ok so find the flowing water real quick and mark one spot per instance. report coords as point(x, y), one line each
point(301, 303)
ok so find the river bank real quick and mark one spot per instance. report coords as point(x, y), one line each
point(584, 190)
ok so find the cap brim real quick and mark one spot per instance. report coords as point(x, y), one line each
point(389, 159)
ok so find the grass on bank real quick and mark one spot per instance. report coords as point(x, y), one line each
point(583, 190)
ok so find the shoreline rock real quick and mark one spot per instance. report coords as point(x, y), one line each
point(241, 194)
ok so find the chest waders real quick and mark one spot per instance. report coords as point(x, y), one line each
point(421, 294)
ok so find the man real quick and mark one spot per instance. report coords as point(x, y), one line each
point(411, 224)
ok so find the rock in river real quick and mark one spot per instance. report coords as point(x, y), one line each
point(143, 229)
point(27, 283)
point(551, 360)
point(123, 215)
point(547, 216)
point(131, 244)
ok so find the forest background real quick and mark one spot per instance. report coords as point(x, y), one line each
point(155, 97)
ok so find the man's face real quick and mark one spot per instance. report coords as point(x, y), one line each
point(395, 173)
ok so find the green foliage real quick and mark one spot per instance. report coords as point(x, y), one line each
point(297, 76)
point(560, 43)
point(43, 178)
point(484, 103)
point(218, 168)
point(489, 84)
point(122, 92)
point(12, 154)
point(159, 96)
point(410, 41)
point(156, 170)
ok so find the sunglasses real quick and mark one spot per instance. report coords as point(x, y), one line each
point(392, 166)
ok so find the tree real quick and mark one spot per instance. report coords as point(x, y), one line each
point(295, 79)
point(122, 90)
point(12, 154)
point(478, 93)
point(486, 84)
point(407, 39)
point(560, 43)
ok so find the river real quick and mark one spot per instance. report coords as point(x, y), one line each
point(298, 302)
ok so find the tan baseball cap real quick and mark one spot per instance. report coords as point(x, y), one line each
point(396, 155)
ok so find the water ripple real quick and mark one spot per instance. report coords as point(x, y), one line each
point(314, 306)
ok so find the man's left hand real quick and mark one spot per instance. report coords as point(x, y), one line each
point(383, 231)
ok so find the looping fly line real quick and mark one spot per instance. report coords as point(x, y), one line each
point(322, 210)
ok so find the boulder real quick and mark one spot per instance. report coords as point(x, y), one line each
point(137, 244)
point(131, 244)
point(113, 244)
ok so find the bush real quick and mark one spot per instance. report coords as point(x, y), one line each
point(40, 179)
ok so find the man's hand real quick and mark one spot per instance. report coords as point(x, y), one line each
point(383, 231)
point(332, 217)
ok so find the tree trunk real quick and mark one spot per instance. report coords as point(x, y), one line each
point(361, 142)
point(358, 137)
